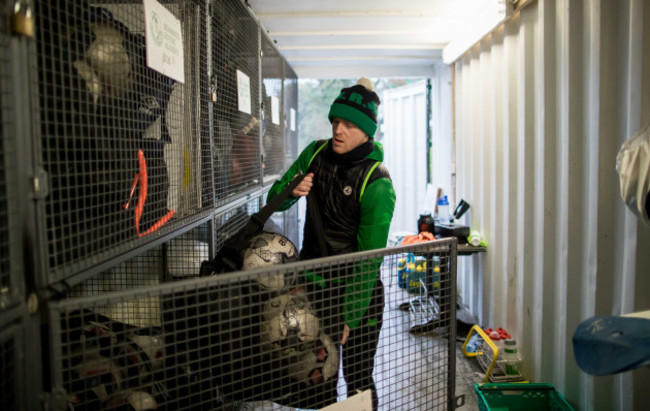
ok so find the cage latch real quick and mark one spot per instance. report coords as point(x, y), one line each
point(40, 188)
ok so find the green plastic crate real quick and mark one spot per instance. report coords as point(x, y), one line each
point(519, 397)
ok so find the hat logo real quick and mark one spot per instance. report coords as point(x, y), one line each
point(347, 190)
point(356, 98)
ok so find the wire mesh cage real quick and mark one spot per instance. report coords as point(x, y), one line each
point(284, 222)
point(13, 350)
point(236, 112)
point(290, 110)
point(11, 369)
point(148, 174)
point(292, 226)
point(230, 221)
point(179, 258)
point(143, 270)
point(182, 255)
point(7, 377)
point(123, 145)
point(7, 154)
point(260, 339)
point(272, 135)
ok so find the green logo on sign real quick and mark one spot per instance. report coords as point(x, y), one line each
point(156, 32)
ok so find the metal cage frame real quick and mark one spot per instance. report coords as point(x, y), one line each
point(69, 177)
point(192, 317)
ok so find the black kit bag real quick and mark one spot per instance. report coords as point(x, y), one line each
point(213, 329)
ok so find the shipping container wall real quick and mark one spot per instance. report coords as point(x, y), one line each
point(542, 106)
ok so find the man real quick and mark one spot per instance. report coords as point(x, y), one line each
point(350, 204)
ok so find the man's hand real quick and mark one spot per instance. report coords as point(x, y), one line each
point(304, 187)
point(346, 334)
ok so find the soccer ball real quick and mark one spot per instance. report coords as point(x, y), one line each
point(95, 378)
point(291, 333)
point(289, 325)
point(267, 249)
point(316, 365)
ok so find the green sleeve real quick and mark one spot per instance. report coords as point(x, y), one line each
point(300, 165)
point(377, 206)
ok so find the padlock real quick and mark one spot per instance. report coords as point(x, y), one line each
point(22, 19)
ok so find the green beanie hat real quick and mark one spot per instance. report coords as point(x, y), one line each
point(359, 105)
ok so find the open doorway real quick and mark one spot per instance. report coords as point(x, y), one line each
point(406, 147)
point(402, 131)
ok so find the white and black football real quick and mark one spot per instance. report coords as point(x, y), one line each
point(267, 249)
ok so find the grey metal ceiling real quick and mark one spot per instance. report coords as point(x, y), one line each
point(378, 38)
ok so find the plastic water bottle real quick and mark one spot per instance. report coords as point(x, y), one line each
point(415, 274)
point(495, 336)
point(404, 267)
point(512, 358)
point(436, 277)
point(443, 210)
point(473, 343)
point(401, 272)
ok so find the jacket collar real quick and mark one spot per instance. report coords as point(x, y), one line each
point(369, 149)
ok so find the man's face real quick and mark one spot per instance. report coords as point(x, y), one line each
point(346, 136)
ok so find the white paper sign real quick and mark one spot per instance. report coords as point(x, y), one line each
point(275, 110)
point(243, 92)
point(292, 120)
point(164, 40)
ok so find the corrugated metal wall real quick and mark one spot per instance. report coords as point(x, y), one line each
point(542, 106)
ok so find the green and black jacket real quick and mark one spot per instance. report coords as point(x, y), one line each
point(356, 200)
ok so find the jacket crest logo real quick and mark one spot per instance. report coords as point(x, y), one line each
point(347, 190)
